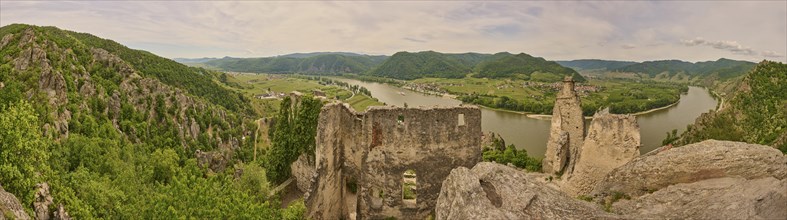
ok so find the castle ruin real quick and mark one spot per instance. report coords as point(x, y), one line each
point(395, 159)
point(566, 133)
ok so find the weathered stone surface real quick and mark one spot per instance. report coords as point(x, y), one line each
point(213, 160)
point(612, 140)
point(61, 213)
point(494, 191)
point(691, 163)
point(376, 147)
point(302, 170)
point(10, 204)
point(719, 198)
point(42, 201)
point(566, 116)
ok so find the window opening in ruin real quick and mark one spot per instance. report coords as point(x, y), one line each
point(377, 198)
point(461, 120)
point(400, 119)
point(409, 192)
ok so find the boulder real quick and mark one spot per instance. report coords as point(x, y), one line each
point(11, 207)
point(691, 163)
point(612, 140)
point(719, 198)
point(494, 191)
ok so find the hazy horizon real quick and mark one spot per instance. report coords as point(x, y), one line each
point(630, 31)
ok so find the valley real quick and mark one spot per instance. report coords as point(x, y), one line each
point(93, 129)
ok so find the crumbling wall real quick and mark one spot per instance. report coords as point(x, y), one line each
point(430, 142)
point(373, 149)
point(613, 140)
point(566, 116)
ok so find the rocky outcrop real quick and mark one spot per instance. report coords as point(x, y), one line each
point(719, 198)
point(494, 191)
point(215, 160)
point(691, 163)
point(42, 201)
point(612, 140)
point(303, 171)
point(9, 205)
point(566, 117)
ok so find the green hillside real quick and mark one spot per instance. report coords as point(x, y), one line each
point(327, 63)
point(722, 68)
point(594, 64)
point(756, 112)
point(522, 66)
point(406, 65)
point(119, 133)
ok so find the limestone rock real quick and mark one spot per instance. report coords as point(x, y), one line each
point(42, 201)
point(303, 171)
point(213, 160)
point(720, 198)
point(61, 213)
point(566, 116)
point(612, 140)
point(691, 163)
point(494, 191)
point(10, 204)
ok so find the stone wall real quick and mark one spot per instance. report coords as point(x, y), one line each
point(373, 149)
point(562, 154)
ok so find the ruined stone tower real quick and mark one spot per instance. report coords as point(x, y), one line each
point(397, 157)
point(566, 133)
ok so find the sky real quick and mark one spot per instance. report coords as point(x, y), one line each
point(562, 30)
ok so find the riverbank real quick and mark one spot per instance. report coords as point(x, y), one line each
point(549, 117)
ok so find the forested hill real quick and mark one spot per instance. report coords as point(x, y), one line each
point(721, 68)
point(594, 64)
point(755, 114)
point(406, 65)
point(118, 133)
point(522, 65)
point(313, 63)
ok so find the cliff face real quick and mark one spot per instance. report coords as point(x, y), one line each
point(613, 140)
point(562, 153)
point(9, 205)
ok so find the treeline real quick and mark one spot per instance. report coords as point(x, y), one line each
point(500, 153)
point(321, 64)
point(521, 66)
point(721, 68)
point(630, 98)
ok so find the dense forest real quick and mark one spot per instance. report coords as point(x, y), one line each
point(722, 68)
point(522, 66)
point(756, 112)
point(406, 65)
point(594, 64)
point(118, 133)
point(322, 63)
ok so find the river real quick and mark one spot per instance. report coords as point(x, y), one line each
point(532, 134)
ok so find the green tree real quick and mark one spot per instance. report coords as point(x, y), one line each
point(23, 150)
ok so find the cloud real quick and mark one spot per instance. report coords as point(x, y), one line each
point(771, 54)
point(413, 40)
point(553, 30)
point(732, 46)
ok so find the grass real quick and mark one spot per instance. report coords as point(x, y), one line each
point(360, 102)
point(254, 84)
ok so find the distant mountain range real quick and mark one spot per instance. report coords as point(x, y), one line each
point(413, 65)
point(402, 65)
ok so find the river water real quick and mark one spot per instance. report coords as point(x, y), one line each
point(531, 134)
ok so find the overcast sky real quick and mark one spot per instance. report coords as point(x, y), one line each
point(637, 31)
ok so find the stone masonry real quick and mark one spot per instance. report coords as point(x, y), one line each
point(566, 133)
point(373, 149)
